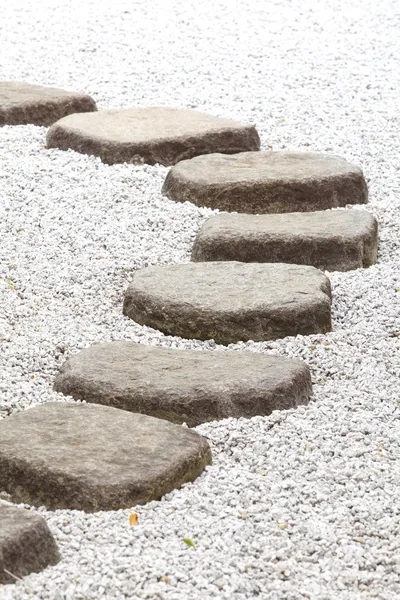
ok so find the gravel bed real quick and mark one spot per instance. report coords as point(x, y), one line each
point(301, 505)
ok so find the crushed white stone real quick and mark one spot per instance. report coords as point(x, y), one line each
point(301, 505)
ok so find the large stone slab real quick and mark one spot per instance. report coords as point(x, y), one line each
point(26, 543)
point(24, 103)
point(183, 385)
point(91, 457)
point(332, 240)
point(151, 135)
point(267, 182)
point(231, 301)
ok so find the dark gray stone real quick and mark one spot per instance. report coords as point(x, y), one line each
point(332, 240)
point(231, 301)
point(26, 543)
point(151, 135)
point(23, 103)
point(267, 182)
point(184, 386)
point(91, 457)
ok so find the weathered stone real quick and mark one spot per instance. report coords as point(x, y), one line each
point(91, 457)
point(333, 240)
point(23, 103)
point(26, 543)
point(151, 135)
point(267, 182)
point(183, 385)
point(230, 301)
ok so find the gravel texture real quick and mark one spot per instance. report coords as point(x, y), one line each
point(300, 505)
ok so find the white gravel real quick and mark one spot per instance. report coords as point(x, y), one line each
point(303, 505)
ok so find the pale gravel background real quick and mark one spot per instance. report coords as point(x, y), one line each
point(301, 505)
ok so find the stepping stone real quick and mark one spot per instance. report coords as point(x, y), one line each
point(332, 240)
point(90, 457)
point(231, 301)
point(151, 135)
point(267, 182)
point(23, 103)
point(26, 543)
point(183, 385)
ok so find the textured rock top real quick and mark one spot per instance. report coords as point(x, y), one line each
point(183, 385)
point(230, 301)
point(267, 182)
point(267, 166)
point(333, 240)
point(140, 124)
point(26, 543)
point(93, 457)
point(151, 135)
point(230, 286)
point(17, 92)
point(319, 224)
point(22, 103)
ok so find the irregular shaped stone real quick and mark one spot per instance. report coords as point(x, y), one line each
point(91, 457)
point(267, 182)
point(24, 103)
point(26, 543)
point(231, 301)
point(332, 240)
point(183, 385)
point(151, 135)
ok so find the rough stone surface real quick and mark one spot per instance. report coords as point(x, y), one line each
point(23, 103)
point(333, 240)
point(151, 135)
point(231, 301)
point(91, 457)
point(267, 182)
point(26, 543)
point(183, 385)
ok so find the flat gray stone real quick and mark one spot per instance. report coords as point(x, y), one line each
point(267, 182)
point(26, 543)
point(24, 103)
point(151, 135)
point(183, 385)
point(91, 457)
point(332, 240)
point(231, 301)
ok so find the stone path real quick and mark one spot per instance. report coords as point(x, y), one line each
point(23, 103)
point(333, 240)
point(267, 182)
point(91, 457)
point(183, 385)
point(151, 135)
point(98, 457)
point(231, 301)
point(26, 544)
